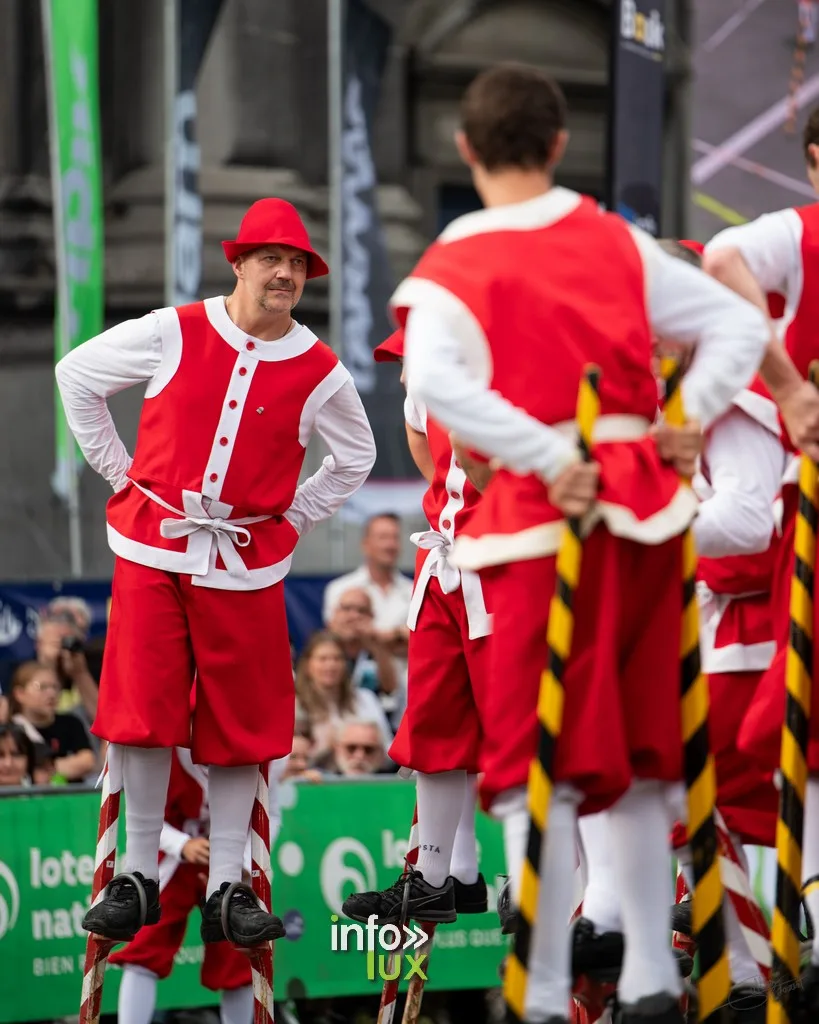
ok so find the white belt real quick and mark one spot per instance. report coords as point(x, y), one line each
point(228, 533)
point(450, 578)
point(613, 427)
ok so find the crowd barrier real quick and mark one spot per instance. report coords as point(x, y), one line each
point(336, 837)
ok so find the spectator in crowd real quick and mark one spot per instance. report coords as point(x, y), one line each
point(44, 771)
point(389, 590)
point(16, 756)
point(358, 749)
point(60, 646)
point(35, 694)
point(326, 695)
point(4, 709)
point(298, 764)
point(369, 662)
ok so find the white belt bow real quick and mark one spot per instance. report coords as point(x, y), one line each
point(449, 577)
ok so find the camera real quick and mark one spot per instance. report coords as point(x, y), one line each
point(72, 644)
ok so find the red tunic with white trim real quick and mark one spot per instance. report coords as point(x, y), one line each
point(640, 497)
point(212, 490)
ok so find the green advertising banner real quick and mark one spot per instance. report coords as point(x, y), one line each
point(71, 58)
point(335, 838)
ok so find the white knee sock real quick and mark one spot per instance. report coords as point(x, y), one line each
point(237, 1005)
point(440, 808)
point(810, 858)
point(145, 776)
point(601, 900)
point(550, 962)
point(638, 823)
point(231, 792)
point(510, 810)
point(137, 995)
point(464, 863)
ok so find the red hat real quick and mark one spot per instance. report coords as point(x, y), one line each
point(391, 350)
point(274, 222)
point(696, 247)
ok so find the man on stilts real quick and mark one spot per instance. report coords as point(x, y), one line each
point(496, 349)
point(204, 521)
point(779, 253)
point(440, 732)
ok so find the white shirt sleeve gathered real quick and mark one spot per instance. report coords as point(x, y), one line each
point(771, 247)
point(745, 463)
point(119, 358)
point(343, 426)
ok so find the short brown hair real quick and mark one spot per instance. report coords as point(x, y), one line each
point(810, 136)
point(682, 252)
point(511, 116)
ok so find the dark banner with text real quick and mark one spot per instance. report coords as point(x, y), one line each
point(194, 26)
point(637, 91)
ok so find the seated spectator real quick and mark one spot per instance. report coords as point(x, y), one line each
point(358, 749)
point(35, 694)
point(16, 756)
point(4, 709)
point(298, 764)
point(369, 662)
point(44, 770)
point(389, 590)
point(60, 646)
point(326, 695)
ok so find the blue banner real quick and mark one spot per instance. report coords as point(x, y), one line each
point(22, 604)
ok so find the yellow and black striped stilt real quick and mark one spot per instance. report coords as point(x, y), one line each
point(714, 984)
point(793, 755)
point(550, 716)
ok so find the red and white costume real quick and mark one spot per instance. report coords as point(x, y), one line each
point(742, 467)
point(472, 328)
point(206, 516)
point(782, 252)
point(448, 650)
point(182, 885)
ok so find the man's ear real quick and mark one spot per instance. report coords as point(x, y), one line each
point(465, 151)
point(238, 267)
point(559, 148)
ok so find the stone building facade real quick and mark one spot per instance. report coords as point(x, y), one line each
point(262, 131)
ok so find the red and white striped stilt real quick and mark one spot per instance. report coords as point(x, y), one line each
point(261, 958)
point(389, 993)
point(97, 949)
point(737, 884)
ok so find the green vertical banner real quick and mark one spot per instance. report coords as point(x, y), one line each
point(72, 69)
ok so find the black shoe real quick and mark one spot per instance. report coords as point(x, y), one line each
point(749, 1004)
point(807, 996)
point(471, 898)
point(661, 1008)
point(233, 913)
point(425, 903)
point(507, 912)
point(130, 901)
point(681, 919)
point(595, 953)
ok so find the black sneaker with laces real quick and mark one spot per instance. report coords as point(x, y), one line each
point(681, 920)
point(119, 915)
point(471, 897)
point(507, 912)
point(435, 904)
point(248, 924)
point(594, 951)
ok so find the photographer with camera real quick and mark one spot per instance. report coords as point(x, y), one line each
point(60, 646)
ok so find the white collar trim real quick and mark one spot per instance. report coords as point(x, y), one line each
point(530, 215)
point(298, 340)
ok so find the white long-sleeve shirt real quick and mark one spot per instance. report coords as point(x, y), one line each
point(131, 353)
point(771, 246)
point(682, 304)
point(744, 463)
